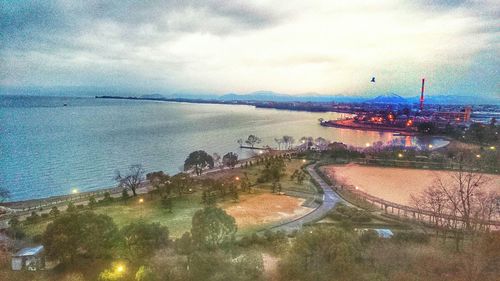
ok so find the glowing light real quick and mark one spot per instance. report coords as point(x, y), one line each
point(430, 145)
point(120, 268)
point(74, 191)
point(400, 155)
point(303, 160)
point(367, 144)
point(357, 188)
point(237, 178)
point(492, 147)
point(478, 155)
point(141, 200)
point(260, 151)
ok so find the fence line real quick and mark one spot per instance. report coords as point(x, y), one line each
point(410, 212)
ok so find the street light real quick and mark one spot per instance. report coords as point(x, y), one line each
point(237, 178)
point(400, 155)
point(141, 200)
point(430, 145)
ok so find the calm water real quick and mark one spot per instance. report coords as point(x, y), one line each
point(48, 149)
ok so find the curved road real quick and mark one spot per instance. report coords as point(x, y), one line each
point(330, 199)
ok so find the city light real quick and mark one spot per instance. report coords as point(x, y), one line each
point(430, 145)
point(400, 155)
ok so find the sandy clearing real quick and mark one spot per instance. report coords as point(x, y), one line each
point(392, 184)
point(265, 208)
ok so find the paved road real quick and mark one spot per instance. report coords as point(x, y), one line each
point(330, 199)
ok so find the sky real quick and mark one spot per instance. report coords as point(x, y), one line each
point(294, 47)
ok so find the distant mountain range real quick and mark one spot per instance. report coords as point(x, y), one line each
point(260, 96)
point(390, 98)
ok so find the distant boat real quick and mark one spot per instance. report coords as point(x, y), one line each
point(65, 104)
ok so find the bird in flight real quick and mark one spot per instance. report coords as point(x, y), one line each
point(373, 80)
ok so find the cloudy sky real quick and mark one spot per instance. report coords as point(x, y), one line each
point(295, 47)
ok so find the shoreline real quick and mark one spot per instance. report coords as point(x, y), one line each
point(349, 124)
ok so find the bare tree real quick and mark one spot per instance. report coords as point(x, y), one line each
point(4, 194)
point(279, 142)
point(460, 203)
point(132, 180)
point(218, 160)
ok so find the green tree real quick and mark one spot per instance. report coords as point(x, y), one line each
point(322, 253)
point(54, 212)
point(230, 159)
point(198, 160)
point(182, 182)
point(160, 181)
point(92, 202)
point(212, 227)
point(140, 239)
point(253, 140)
point(77, 233)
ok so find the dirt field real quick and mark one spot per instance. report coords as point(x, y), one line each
point(392, 184)
point(253, 210)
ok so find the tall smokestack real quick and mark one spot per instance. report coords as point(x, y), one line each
point(422, 96)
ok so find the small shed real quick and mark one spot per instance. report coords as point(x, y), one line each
point(31, 259)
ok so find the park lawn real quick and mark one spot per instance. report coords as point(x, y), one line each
point(124, 212)
point(178, 221)
point(253, 172)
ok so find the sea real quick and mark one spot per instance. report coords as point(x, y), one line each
point(52, 145)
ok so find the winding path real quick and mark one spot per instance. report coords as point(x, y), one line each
point(330, 199)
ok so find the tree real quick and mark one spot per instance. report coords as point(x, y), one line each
point(85, 233)
point(184, 245)
point(140, 239)
point(460, 195)
point(253, 140)
point(288, 141)
point(279, 142)
point(54, 212)
point(92, 202)
point(182, 182)
point(230, 159)
point(273, 171)
point(198, 160)
point(132, 180)
point(4, 194)
point(212, 227)
point(160, 181)
point(322, 253)
point(217, 161)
